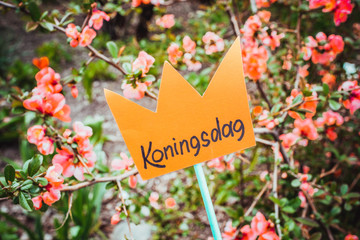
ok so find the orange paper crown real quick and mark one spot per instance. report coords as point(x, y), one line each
point(187, 128)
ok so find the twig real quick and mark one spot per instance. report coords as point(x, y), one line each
point(298, 41)
point(263, 95)
point(357, 178)
point(253, 6)
point(263, 141)
point(257, 198)
point(275, 177)
point(234, 23)
point(99, 180)
point(87, 19)
point(124, 207)
point(4, 198)
point(68, 213)
point(331, 171)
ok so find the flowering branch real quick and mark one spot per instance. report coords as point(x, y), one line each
point(78, 186)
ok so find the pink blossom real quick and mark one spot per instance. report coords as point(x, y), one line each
point(46, 146)
point(37, 202)
point(288, 140)
point(122, 163)
point(273, 40)
point(170, 202)
point(96, 19)
point(189, 45)
point(302, 199)
point(166, 21)
point(143, 62)
point(213, 43)
point(53, 175)
point(174, 53)
point(132, 181)
point(138, 92)
point(351, 237)
point(191, 63)
point(35, 134)
point(82, 132)
point(259, 224)
point(229, 231)
point(86, 36)
point(115, 219)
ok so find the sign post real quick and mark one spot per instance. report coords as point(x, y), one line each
point(207, 202)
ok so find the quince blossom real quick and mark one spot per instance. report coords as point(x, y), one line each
point(96, 19)
point(166, 21)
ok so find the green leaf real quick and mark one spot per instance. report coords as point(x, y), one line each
point(113, 49)
point(35, 164)
point(297, 99)
point(288, 209)
point(316, 236)
point(24, 202)
point(42, 181)
point(48, 26)
point(27, 184)
point(295, 183)
point(34, 11)
point(334, 105)
point(31, 26)
point(325, 89)
point(9, 173)
point(43, 15)
point(275, 200)
point(276, 108)
point(352, 195)
point(343, 189)
point(127, 67)
point(149, 78)
point(307, 221)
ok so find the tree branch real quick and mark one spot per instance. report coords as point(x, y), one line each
point(99, 180)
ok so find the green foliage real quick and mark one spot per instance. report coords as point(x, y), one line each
point(56, 52)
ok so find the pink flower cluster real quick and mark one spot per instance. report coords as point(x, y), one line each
point(323, 49)
point(260, 229)
point(221, 164)
point(341, 8)
point(70, 163)
point(189, 47)
point(36, 135)
point(330, 118)
point(87, 34)
point(353, 101)
point(52, 193)
point(137, 89)
point(124, 163)
point(213, 43)
point(46, 97)
point(166, 21)
point(255, 55)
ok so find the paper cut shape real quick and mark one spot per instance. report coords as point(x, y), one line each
point(187, 128)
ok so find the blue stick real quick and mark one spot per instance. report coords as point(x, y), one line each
point(207, 201)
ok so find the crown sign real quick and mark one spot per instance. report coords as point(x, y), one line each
point(187, 128)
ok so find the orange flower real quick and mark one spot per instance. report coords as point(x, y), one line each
point(331, 134)
point(306, 128)
point(329, 79)
point(46, 146)
point(288, 139)
point(308, 105)
point(257, 110)
point(254, 60)
point(138, 92)
point(52, 195)
point(41, 63)
point(86, 36)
